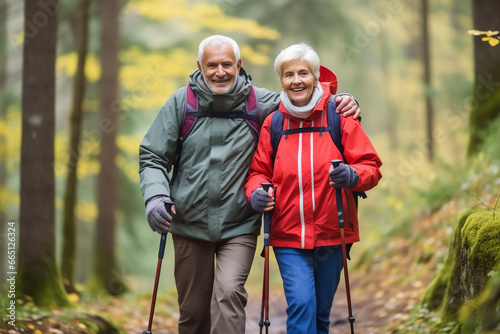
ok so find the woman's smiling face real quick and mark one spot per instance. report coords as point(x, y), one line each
point(298, 81)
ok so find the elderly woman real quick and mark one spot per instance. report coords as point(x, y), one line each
point(304, 227)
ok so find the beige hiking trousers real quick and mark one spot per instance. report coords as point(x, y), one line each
point(210, 279)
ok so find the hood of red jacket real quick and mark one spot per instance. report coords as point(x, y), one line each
point(326, 76)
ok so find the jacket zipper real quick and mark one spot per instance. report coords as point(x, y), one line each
point(301, 192)
point(312, 169)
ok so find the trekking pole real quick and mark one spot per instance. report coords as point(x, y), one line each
point(340, 212)
point(264, 310)
point(161, 252)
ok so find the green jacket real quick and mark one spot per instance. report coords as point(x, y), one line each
point(209, 190)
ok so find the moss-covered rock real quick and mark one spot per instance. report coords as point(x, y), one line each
point(466, 292)
point(444, 292)
point(480, 252)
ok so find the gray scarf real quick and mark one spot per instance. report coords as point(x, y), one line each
point(305, 111)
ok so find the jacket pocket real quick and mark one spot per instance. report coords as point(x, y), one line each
point(190, 196)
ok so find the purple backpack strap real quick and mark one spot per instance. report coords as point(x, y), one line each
point(191, 106)
point(254, 112)
point(187, 125)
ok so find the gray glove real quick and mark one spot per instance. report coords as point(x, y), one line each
point(344, 176)
point(259, 199)
point(157, 214)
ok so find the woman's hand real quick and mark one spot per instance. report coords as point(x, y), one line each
point(262, 201)
point(343, 176)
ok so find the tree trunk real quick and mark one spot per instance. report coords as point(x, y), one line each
point(429, 111)
point(105, 274)
point(3, 140)
point(38, 276)
point(486, 105)
point(69, 224)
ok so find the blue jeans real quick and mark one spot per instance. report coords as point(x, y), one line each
point(310, 279)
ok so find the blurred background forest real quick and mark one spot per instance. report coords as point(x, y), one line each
point(428, 89)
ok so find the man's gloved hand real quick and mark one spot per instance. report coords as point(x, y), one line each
point(157, 214)
point(343, 176)
point(259, 199)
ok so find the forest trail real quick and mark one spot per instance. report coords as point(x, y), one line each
point(379, 304)
point(381, 300)
point(384, 291)
point(383, 296)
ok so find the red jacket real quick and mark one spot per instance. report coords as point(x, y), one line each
point(305, 214)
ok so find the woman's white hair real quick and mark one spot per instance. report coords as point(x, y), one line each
point(219, 41)
point(301, 51)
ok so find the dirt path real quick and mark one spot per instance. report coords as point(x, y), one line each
point(371, 310)
point(382, 298)
point(381, 301)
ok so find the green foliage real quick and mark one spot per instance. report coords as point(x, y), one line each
point(424, 321)
point(31, 319)
point(443, 186)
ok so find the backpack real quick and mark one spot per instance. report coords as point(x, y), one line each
point(333, 127)
point(192, 112)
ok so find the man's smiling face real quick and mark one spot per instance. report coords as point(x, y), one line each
point(219, 68)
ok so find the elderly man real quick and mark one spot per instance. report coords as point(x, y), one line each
point(213, 228)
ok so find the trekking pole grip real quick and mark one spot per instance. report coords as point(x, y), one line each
point(163, 240)
point(266, 186)
point(335, 162)
point(168, 205)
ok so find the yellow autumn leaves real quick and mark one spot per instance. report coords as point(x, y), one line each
point(148, 77)
point(491, 37)
point(196, 16)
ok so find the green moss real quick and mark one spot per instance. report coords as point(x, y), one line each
point(480, 251)
point(485, 250)
point(441, 291)
point(40, 283)
point(472, 226)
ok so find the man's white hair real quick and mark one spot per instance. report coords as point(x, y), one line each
point(300, 51)
point(219, 41)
